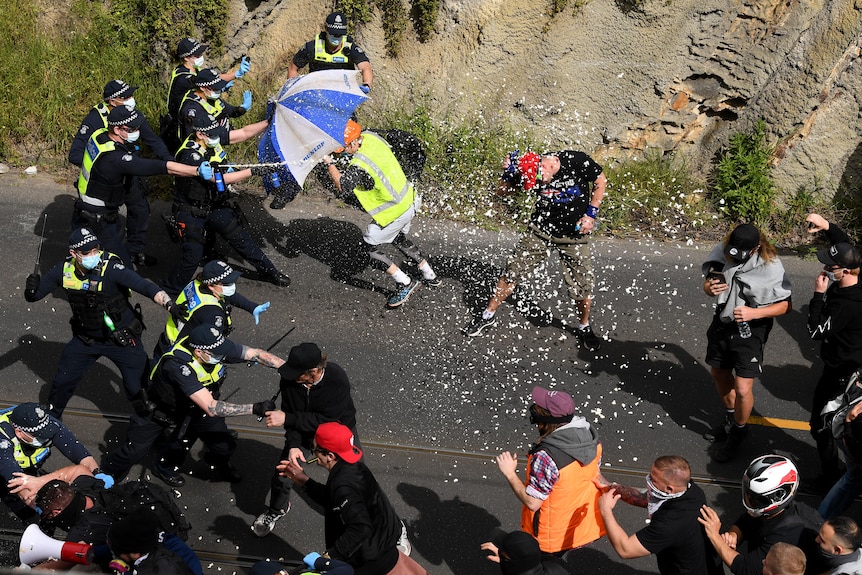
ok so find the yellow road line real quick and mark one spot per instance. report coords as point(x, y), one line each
point(776, 422)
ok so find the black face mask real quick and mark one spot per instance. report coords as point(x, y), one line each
point(536, 417)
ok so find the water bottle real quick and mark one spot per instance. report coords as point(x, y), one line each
point(744, 329)
point(276, 181)
point(108, 321)
point(219, 181)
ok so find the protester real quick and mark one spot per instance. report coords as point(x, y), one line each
point(559, 496)
point(839, 542)
point(748, 281)
point(673, 533)
point(569, 188)
point(518, 553)
point(135, 541)
point(784, 559)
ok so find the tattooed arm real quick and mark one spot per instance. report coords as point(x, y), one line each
point(262, 357)
point(215, 408)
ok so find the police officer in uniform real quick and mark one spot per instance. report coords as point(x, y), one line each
point(119, 93)
point(104, 323)
point(333, 49)
point(27, 432)
point(108, 171)
point(203, 209)
point(209, 298)
point(205, 100)
point(185, 386)
point(190, 53)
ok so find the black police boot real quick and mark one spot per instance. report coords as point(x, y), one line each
point(277, 278)
point(168, 475)
point(278, 202)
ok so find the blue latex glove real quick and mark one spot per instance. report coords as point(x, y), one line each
point(259, 310)
point(270, 110)
point(227, 86)
point(244, 67)
point(365, 88)
point(246, 100)
point(106, 479)
point(311, 558)
point(205, 171)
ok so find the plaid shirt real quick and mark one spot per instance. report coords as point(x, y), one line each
point(543, 475)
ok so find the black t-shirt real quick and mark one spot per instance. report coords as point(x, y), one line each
point(562, 201)
point(676, 538)
point(760, 534)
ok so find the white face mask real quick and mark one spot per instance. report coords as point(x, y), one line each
point(132, 137)
point(199, 62)
point(130, 103)
point(35, 442)
point(228, 290)
point(334, 40)
point(214, 95)
point(214, 359)
point(212, 142)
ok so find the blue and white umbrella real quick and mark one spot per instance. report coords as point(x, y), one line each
point(309, 121)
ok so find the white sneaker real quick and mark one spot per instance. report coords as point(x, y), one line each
point(403, 544)
point(265, 522)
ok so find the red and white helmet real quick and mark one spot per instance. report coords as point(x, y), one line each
point(768, 485)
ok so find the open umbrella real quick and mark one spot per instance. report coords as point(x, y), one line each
point(311, 113)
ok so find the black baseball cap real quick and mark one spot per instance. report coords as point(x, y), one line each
point(302, 357)
point(743, 239)
point(841, 254)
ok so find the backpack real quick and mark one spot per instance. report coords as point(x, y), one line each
point(123, 498)
point(834, 412)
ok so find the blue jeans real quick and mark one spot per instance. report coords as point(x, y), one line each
point(842, 494)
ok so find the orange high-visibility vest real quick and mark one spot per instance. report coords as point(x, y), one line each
point(569, 517)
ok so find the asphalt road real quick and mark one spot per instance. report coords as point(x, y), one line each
point(434, 406)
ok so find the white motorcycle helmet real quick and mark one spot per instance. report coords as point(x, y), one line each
point(768, 485)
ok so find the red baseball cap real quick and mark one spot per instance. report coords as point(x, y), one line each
point(528, 167)
point(338, 439)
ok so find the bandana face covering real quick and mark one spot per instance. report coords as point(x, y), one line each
point(656, 497)
point(67, 518)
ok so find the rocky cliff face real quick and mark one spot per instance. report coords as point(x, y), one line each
point(674, 75)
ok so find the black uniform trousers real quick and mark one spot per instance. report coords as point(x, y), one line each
point(105, 223)
point(78, 357)
point(198, 234)
point(137, 218)
point(143, 432)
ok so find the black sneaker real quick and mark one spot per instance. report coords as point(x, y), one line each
point(478, 325)
point(143, 260)
point(727, 450)
point(719, 433)
point(435, 283)
point(589, 339)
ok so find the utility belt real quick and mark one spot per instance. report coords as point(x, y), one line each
point(108, 217)
point(196, 209)
point(122, 336)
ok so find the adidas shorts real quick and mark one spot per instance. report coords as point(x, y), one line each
point(726, 350)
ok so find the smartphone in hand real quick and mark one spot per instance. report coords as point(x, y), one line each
point(716, 275)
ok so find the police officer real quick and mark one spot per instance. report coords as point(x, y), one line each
point(119, 93)
point(104, 323)
point(203, 209)
point(333, 49)
point(209, 298)
point(205, 99)
point(108, 171)
point(190, 53)
point(185, 386)
point(27, 432)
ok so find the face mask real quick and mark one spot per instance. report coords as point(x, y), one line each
point(130, 103)
point(831, 276)
point(656, 497)
point(199, 62)
point(213, 142)
point(36, 442)
point(228, 290)
point(132, 137)
point(90, 262)
point(214, 95)
point(334, 40)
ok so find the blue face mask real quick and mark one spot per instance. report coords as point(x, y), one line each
point(334, 40)
point(214, 95)
point(214, 359)
point(90, 262)
point(132, 137)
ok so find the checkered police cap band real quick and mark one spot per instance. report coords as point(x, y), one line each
point(226, 273)
point(219, 340)
point(87, 237)
point(207, 78)
point(44, 420)
point(130, 119)
point(119, 88)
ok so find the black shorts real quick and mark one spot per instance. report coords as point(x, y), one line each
point(726, 350)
